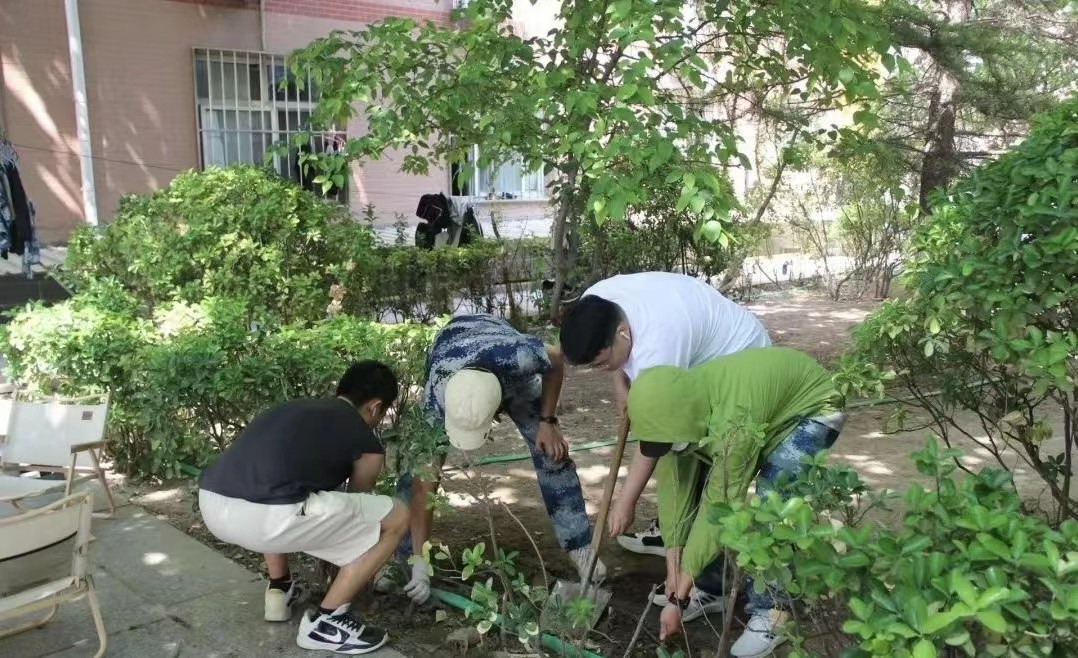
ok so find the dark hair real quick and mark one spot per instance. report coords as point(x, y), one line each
point(588, 328)
point(368, 380)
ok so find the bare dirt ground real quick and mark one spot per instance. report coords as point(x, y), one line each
point(802, 319)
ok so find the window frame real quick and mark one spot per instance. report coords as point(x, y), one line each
point(470, 189)
point(272, 104)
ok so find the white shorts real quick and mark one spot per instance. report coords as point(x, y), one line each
point(330, 525)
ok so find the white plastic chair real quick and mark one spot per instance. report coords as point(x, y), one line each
point(25, 536)
point(53, 435)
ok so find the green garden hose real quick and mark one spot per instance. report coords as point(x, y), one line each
point(550, 642)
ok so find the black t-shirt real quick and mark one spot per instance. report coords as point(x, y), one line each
point(292, 450)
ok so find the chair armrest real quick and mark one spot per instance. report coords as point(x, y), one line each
point(79, 447)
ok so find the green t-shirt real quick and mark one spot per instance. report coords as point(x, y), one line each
point(759, 392)
point(731, 411)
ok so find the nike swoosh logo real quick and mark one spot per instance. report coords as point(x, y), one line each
point(336, 637)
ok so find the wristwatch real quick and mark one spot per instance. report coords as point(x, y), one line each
point(681, 603)
point(549, 420)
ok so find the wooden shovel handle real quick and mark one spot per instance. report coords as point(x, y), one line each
point(608, 495)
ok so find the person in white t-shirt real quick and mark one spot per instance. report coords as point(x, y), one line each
point(631, 322)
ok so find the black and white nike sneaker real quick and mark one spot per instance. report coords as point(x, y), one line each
point(647, 542)
point(340, 632)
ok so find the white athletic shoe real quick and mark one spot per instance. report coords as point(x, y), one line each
point(580, 558)
point(340, 632)
point(761, 634)
point(700, 603)
point(645, 542)
point(279, 603)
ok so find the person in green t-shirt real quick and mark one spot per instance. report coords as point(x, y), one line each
point(753, 414)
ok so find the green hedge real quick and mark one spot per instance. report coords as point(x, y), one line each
point(182, 390)
point(240, 233)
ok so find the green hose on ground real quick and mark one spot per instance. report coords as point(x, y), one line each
point(549, 641)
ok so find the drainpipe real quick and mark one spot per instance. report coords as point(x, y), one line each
point(82, 112)
point(262, 24)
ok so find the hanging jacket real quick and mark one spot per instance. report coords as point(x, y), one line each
point(17, 231)
point(731, 411)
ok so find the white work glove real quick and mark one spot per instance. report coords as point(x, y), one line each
point(418, 588)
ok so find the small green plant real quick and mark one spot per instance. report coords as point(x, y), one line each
point(966, 573)
point(515, 607)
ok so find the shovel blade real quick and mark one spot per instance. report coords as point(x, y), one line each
point(555, 615)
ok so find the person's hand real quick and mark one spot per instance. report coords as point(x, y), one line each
point(620, 519)
point(669, 621)
point(418, 588)
point(551, 442)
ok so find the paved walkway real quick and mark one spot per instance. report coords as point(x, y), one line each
point(163, 594)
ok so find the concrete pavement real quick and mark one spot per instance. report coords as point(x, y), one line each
point(163, 593)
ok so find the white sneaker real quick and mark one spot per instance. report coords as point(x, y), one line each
point(580, 558)
point(761, 634)
point(279, 603)
point(645, 542)
point(340, 632)
point(700, 603)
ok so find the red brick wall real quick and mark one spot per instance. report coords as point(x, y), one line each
point(361, 11)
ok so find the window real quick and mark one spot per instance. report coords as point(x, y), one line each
point(247, 102)
point(506, 181)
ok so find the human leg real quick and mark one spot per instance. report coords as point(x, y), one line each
point(558, 481)
point(332, 626)
point(785, 462)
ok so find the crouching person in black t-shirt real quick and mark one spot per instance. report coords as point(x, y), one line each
point(274, 491)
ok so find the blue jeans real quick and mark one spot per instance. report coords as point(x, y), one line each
point(807, 438)
point(558, 481)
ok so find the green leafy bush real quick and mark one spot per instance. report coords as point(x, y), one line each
point(965, 573)
point(186, 382)
point(240, 232)
point(989, 323)
point(422, 284)
point(82, 345)
point(662, 235)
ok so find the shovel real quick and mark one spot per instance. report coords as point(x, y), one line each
point(553, 615)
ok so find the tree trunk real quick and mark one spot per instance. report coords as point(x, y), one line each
point(940, 165)
point(561, 221)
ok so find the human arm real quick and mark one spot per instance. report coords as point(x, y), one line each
point(621, 390)
point(365, 472)
point(421, 519)
point(679, 585)
point(549, 438)
point(421, 514)
point(621, 516)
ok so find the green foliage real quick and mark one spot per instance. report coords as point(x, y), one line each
point(515, 608)
point(422, 284)
point(187, 381)
point(965, 571)
point(611, 102)
point(82, 345)
point(659, 236)
point(989, 323)
point(241, 233)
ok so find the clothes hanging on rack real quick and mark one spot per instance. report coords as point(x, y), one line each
point(17, 232)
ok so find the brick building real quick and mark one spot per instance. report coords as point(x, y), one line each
point(172, 85)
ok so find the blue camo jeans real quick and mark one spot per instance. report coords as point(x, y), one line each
point(807, 438)
point(558, 482)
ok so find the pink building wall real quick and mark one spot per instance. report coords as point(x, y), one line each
point(140, 87)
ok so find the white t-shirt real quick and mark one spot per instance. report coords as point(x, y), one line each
point(677, 320)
